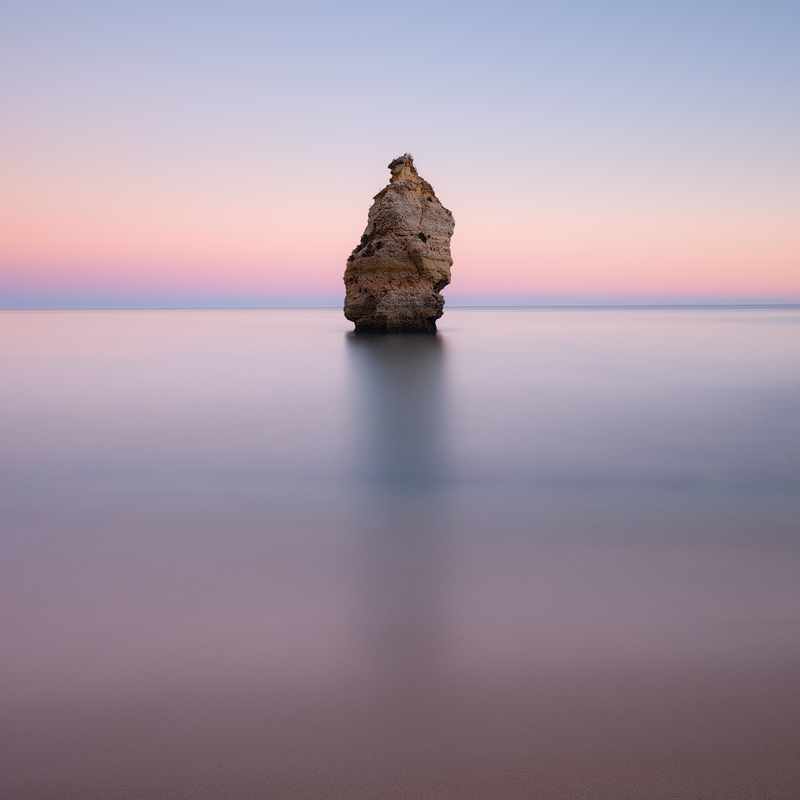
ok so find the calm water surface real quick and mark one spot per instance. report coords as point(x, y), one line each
point(544, 554)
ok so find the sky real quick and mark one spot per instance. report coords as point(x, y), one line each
point(208, 153)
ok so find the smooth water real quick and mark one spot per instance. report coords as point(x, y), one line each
point(544, 554)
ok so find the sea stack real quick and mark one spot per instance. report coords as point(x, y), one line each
point(394, 275)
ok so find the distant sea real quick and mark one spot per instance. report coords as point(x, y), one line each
point(547, 553)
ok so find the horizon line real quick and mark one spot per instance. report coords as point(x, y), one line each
point(476, 306)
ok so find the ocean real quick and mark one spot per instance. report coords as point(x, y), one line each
point(546, 553)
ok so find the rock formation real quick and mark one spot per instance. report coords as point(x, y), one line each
point(394, 276)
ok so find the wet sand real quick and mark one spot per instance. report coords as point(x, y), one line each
point(714, 735)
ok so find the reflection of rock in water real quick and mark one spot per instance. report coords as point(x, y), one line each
point(399, 414)
point(399, 384)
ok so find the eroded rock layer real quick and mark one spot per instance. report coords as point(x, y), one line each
point(394, 275)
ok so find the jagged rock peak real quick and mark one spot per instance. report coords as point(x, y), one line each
point(395, 273)
point(403, 169)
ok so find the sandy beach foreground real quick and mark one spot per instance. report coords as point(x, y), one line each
point(570, 736)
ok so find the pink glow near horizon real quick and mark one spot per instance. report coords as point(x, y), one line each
point(214, 262)
point(294, 238)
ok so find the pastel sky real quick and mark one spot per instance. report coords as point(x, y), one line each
point(224, 153)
